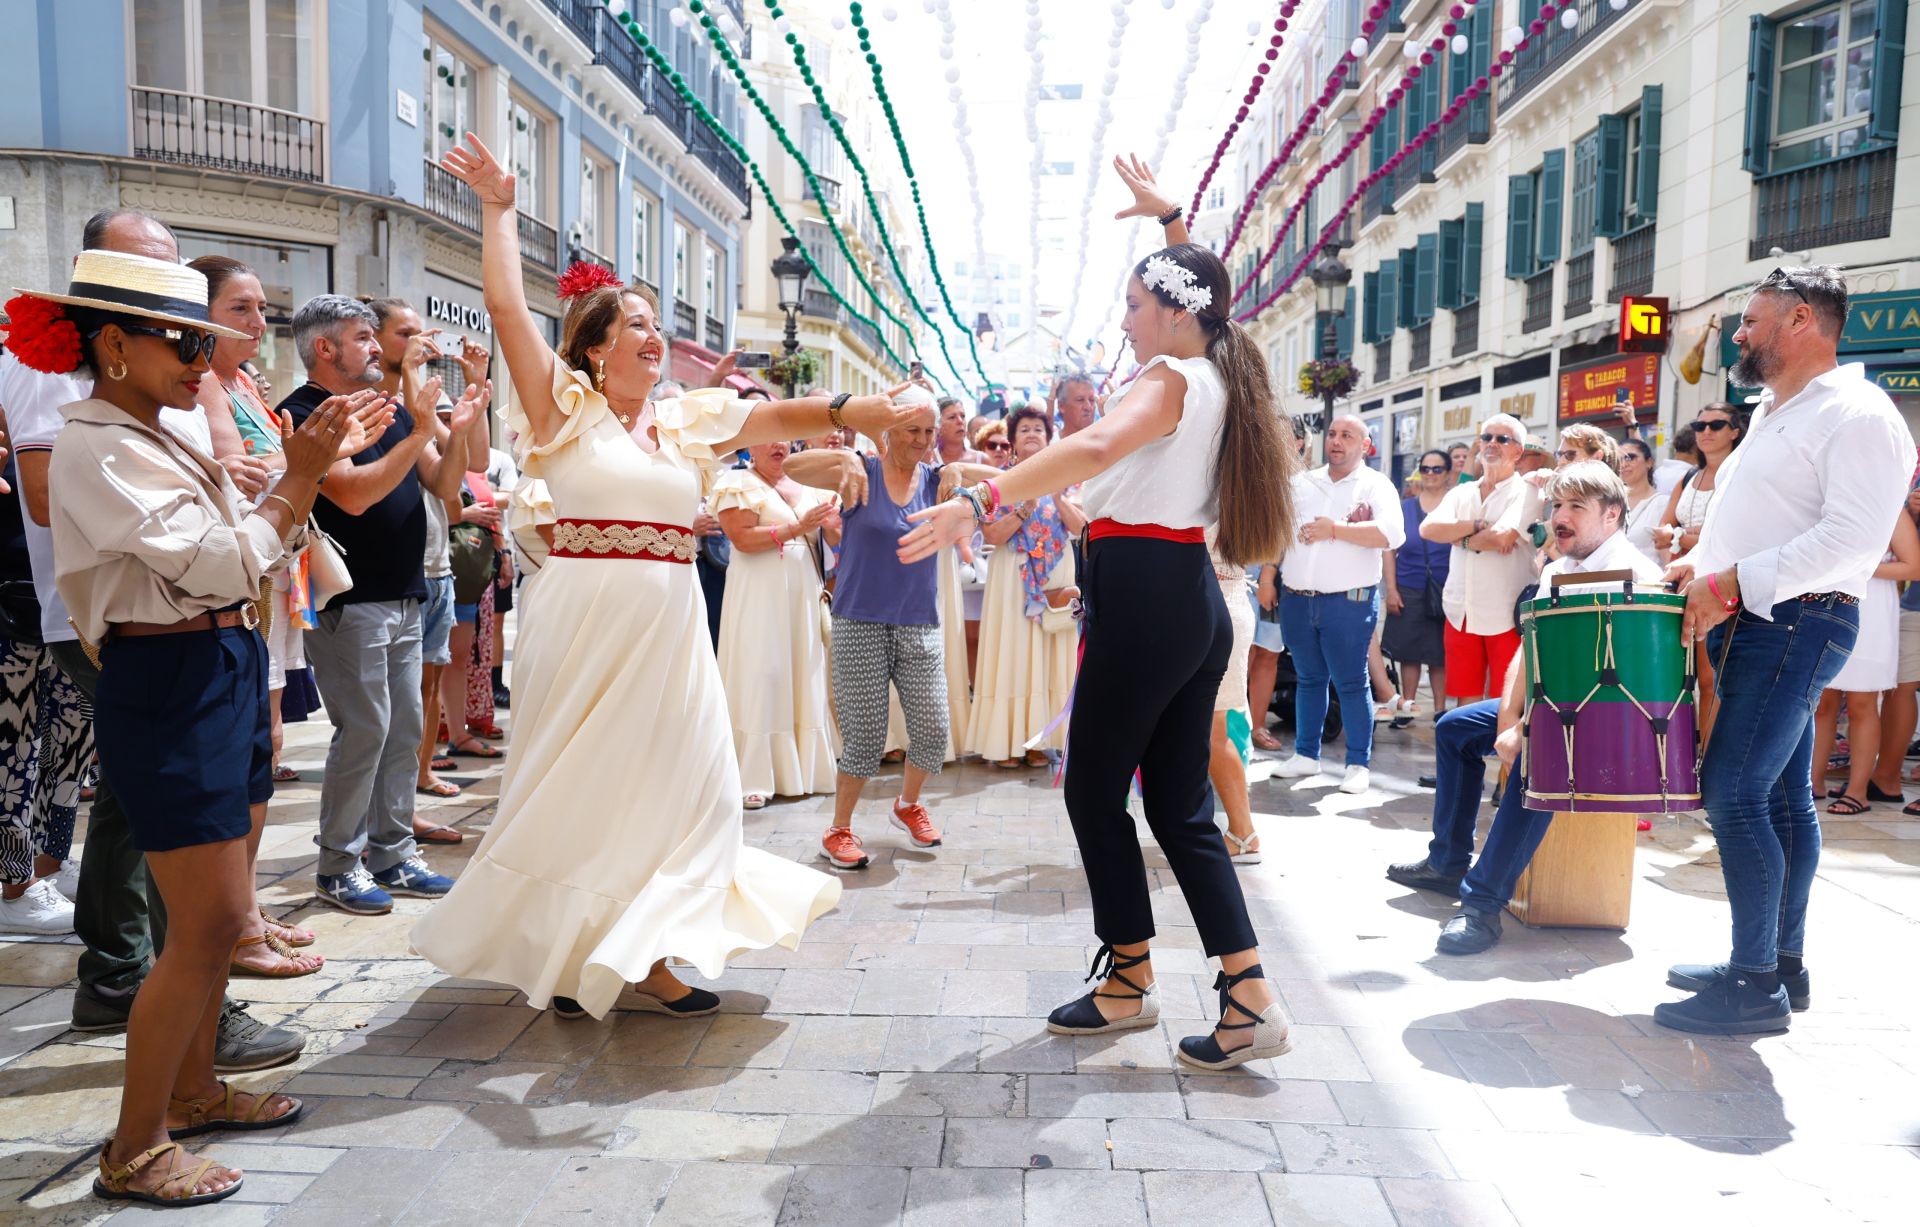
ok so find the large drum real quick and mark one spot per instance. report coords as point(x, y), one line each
point(1610, 718)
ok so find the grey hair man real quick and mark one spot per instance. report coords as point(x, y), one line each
point(1078, 401)
point(366, 649)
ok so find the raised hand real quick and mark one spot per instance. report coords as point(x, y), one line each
point(369, 413)
point(473, 360)
point(935, 529)
point(873, 416)
point(421, 348)
point(1148, 200)
point(312, 449)
point(474, 165)
point(725, 367)
point(472, 403)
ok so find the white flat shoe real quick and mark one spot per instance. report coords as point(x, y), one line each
point(1358, 780)
point(1297, 768)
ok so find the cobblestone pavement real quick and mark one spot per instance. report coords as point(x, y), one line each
point(896, 1067)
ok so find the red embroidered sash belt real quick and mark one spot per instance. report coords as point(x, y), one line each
point(1113, 528)
point(623, 539)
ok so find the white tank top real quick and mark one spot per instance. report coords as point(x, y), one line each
point(1170, 481)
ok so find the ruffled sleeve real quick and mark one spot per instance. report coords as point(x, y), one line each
point(580, 409)
point(528, 510)
point(735, 490)
point(696, 424)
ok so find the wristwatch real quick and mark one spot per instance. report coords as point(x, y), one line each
point(833, 410)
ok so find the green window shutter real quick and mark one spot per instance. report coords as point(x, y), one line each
point(1343, 330)
point(1553, 192)
point(1480, 40)
point(1460, 67)
point(1408, 313)
point(1470, 254)
point(1426, 260)
point(1889, 52)
point(1389, 300)
point(1410, 120)
point(1432, 103)
point(1452, 241)
point(1370, 306)
point(1610, 189)
point(1520, 205)
point(1646, 192)
point(1377, 148)
point(1760, 37)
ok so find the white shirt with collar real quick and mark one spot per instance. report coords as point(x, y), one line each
point(1616, 553)
point(1807, 501)
point(32, 400)
point(1364, 496)
point(1482, 585)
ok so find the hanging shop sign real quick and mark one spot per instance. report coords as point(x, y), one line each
point(1593, 390)
point(1643, 325)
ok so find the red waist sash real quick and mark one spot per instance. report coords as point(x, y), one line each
point(1113, 528)
point(623, 539)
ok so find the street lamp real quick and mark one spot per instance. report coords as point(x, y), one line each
point(790, 270)
point(1330, 281)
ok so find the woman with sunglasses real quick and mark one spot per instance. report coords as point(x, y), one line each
point(1412, 580)
point(1716, 432)
point(1644, 505)
point(162, 562)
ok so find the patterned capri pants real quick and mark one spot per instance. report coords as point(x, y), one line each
point(46, 747)
point(866, 657)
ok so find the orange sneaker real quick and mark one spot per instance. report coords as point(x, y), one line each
point(840, 847)
point(911, 817)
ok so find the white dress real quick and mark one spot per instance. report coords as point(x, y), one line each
point(773, 659)
point(1874, 664)
point(617, 840)
point(1025, 671)
point(953, 631)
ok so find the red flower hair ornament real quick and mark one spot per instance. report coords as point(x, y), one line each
point(582, 276)
point(42, 336)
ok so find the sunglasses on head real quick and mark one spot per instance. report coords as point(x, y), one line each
point(1722, 424)
point(188, 343)
point(1781, 279)
point(1434, 468)
point(1503, 440)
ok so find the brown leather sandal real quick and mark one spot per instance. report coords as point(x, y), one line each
point(291, 935)
point(111, 1183)
point(200, 1120)
point(288, 969)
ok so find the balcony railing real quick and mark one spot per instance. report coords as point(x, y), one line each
point(580, 16)
point(614, 49)
point(738, 10)
point(587, 255)
point(1466, 329)
point(716, 335)
point(1377, 201)
point(869, 336)
point(1539, 301)
point(449, 199)
point(1846, 200)
point(1579, 284)
point(1383, 360)
point(1632, 264)
point(684, 319)
point(1474, 128)
point(193, 130)
point(826, 191)
point(1546, 52)
point(1422, 355)
point(819, 305)
point(539, 243)
point(652, 285)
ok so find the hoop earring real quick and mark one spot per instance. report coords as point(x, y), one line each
point(117, 371)
point(600, 376)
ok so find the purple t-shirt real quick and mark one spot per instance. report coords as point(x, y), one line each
point(871, 584)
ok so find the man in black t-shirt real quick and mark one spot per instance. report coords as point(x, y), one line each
point(365, 652)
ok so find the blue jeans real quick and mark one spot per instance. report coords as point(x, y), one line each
point(1756, 780)
point(1328, 637)
point(1463, 740)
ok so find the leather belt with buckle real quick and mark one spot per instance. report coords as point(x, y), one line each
point(219, 619)
point(1839, 598)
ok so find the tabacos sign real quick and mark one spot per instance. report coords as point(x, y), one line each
point(1594, 389)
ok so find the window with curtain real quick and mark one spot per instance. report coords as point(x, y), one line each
point(254, 51)
point(449, 97)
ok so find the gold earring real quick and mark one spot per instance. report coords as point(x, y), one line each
point(117, 371)
point(600, 376)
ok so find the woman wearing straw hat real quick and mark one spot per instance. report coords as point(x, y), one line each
point(160, 564)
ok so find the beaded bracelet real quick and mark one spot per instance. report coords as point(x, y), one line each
point(993, 489)
point(971, 498)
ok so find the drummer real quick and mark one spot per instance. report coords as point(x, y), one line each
point(1588, 506)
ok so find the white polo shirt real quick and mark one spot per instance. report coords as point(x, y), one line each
point(1364, 496)
point(1482, 585)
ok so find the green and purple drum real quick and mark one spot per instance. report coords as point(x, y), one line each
point(1610, 716)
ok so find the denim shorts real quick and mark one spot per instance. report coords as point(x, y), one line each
point(436, 621)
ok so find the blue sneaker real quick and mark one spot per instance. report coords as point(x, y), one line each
point(354, 891)
point(412, 877)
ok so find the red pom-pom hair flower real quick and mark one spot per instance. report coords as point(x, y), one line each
point(582, 276)
point(42, 337)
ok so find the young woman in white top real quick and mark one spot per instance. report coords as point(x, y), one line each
point(1195, 440)
point(1644, 505)
point(1716, 431)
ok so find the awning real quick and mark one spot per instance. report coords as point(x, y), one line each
point(692, 364)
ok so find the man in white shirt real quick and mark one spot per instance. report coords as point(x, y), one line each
point(1804, 511)
point(115, 913)
point(1486, 522)
point(1589, 506)
point(1349, 516)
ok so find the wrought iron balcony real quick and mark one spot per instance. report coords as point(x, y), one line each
point(1545, 53)
point(195, 130)
point(1422, 356)
point(1466, 329)
point(820, 305)
point(869, 336)
point(1579, 284)
point(826, 190)
point(1377, 200)
point(615, 50)
point(539, 242)
point(1632, 264)
point(1847, 200)
point(1539, 301)
point(684, 319)
point(579, 16)
point(716, 335)
point(449, 199)
point(1473, 128)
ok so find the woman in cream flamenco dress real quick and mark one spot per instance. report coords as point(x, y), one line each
point(773, 657)
point(617, 841)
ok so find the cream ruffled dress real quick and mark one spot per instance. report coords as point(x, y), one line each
point(773, 658)
point(617, 840)
point(1025, 671)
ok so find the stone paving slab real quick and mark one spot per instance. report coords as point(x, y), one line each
point(896, 1068)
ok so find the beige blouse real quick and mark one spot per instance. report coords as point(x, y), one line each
point(147, 528)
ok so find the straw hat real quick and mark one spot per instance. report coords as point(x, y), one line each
point(158, 290)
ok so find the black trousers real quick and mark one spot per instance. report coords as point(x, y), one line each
point(1157, 640)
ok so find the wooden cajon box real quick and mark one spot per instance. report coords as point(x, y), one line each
point(1581, 877)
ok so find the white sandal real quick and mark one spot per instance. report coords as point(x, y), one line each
point(1242, 851)
point(753, 800)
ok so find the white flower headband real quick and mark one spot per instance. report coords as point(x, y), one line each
point(1176, 283)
